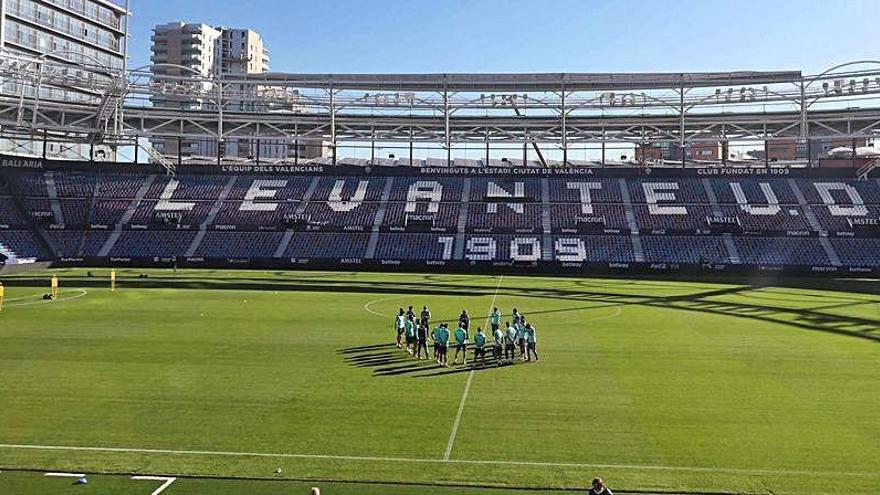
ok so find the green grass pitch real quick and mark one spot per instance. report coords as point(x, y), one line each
point(657, 386)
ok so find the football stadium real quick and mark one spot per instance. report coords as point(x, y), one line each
point(223, 281)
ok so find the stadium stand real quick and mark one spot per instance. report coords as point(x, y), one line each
point(691, 249)
point(327, 245)
point(148, 244)
point(858, 252)
point(781, 251)
point(239, 244)
point(630, 219)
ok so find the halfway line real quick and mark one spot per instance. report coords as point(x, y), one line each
point(467, 385)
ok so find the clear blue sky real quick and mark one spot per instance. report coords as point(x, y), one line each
point(536, 36)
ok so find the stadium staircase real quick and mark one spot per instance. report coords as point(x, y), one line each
point(732, 252)
point(212, 214)
point(11, 258)
point(462, 220)
point(32, 225)
point(127, 216)
point(300, 209)
point(638, 250)
point(814, 223)
point(546, 222)
point(866, 170)
point(96, 193)
point(373, 243)
point(110, 102)
point(158, 158)
point(52, 190)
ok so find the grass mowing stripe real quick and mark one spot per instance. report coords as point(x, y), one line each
point(647, 467)
point(467, 386)
point(760, 380)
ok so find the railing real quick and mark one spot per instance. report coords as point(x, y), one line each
point(159, 158)
point(866, 169)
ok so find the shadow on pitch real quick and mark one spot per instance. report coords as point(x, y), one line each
point(387, 360)
point(748, 305)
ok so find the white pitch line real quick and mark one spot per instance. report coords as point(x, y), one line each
point(167, 482)
point(651, 467)
point(374, 301)
point(65, 475)
point(451, 443)
point(19, 298)
point(467, 385)
point(81, 293)
point(615, 314)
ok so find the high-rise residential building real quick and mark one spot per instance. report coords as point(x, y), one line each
point(92, 32)
point(241, 51)
point(215, 51)
point(192, 46)
point(180, 49)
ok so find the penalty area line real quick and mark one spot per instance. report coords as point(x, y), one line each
point(577, 465)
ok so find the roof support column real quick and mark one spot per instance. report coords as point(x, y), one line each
point(564, 126)
point(446, 131)
point(487, 146)
point(37, 90)
point(681, 126)
point(333, 123)
point(296, 144)
point(805, 126)
point(123, 81)
point(221, 148)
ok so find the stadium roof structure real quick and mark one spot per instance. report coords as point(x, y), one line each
point(550, 111)
point(527, 82)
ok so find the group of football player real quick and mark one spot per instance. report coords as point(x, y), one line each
point(517, 334)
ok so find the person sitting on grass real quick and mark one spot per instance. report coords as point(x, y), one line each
point(461, 341)
point(599, 488)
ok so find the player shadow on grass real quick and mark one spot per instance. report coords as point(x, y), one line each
point(387, 360)
point(702, 302)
